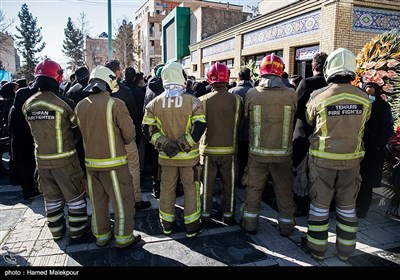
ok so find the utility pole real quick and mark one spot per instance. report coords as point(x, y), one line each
point(109, 32)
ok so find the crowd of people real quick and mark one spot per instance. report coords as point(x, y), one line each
point(317, 140)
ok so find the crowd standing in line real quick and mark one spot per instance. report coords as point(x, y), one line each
point(191, 132)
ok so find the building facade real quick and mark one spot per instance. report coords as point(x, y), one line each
point(96, 51)
point(295, 32)
point(8, 53)
point(148, 28)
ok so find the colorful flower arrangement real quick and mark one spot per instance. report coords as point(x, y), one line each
point(379, 62)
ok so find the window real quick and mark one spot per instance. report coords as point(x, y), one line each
point(194, 67)
point(258, 57)
point(152, 43)
point(152, 62)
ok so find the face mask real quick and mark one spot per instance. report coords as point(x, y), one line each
point(372, 98)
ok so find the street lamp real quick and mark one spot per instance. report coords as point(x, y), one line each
point(109, 32)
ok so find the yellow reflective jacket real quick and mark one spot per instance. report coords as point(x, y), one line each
point(106, 128)
point(51, 120)
point(338, 114)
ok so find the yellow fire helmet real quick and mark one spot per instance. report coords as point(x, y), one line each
point(340, 62)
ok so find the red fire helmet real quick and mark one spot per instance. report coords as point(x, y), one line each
point(218, 73)
point(49, 68)
point(272, 65)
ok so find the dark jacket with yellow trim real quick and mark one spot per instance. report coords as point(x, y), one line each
point(338, 113)
point(223, 112)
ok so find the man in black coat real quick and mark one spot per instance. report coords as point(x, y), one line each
point(22, 145)
point(378, 130)
point(301, 128)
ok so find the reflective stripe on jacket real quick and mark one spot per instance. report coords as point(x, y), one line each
point(338, 113)
point(173, 117)
point(223, 112)
point(271, 112)
point(51, 121)
point(106, 128)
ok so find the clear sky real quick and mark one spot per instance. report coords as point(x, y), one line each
point(52, 16)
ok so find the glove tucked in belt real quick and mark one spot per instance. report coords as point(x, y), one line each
point(183, 144)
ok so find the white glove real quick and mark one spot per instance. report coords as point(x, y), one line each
point(301, 185)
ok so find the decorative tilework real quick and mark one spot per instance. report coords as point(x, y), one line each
point(225, 46)
point(299, 25)
point(372, 20)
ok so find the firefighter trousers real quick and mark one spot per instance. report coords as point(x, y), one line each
point(226, 167)
point(60, 185)
point(189, 177)
point(255, 178)
point(134, 169)
point(343, 186)
point(115, 185)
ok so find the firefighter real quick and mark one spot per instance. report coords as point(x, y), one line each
point(270, 108)
point(55, 132)
point(218, 146)
point(338, 114)
point(106, 128)
point(174, 121)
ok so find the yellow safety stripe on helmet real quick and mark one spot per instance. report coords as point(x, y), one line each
point(318, 228)
point(236, 122)
point(346, 242)
point(167, 217)
point(232, 198)
point(119, 204)
point(257, 125)
point(270, 152)
point(346, 227)
point(55, 218)
point(107, 162)
point(250, 215)
point(220, 150)
point(55, 156)
point(318, 242)
point(110, 128)
point(196, 215)
point(181, 155)
point(94, 220)
point(333, 156)
point(287, 114)
point(44, 104)
point(149, 120)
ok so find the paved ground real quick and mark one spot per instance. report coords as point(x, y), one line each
point(26, 241)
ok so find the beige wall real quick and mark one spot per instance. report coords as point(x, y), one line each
point(7, 52)
point(335, 30)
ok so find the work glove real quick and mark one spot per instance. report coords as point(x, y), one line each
point(301, 185)
point(170, 148)
point(183, 144)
